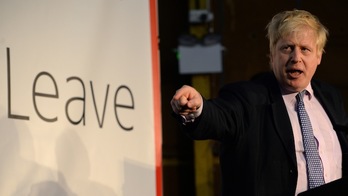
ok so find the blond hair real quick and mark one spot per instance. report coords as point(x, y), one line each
point(286, 22)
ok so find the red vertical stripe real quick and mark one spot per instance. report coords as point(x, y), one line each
point(157, 95)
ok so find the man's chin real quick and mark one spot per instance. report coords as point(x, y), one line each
point(291, 88)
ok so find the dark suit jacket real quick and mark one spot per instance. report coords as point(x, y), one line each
point(257, 144)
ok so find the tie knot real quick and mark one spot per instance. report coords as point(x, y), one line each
point(300, 95)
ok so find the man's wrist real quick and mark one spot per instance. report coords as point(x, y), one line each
point(190, 118)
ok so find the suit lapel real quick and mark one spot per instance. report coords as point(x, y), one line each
point(283, 127)
point(322, 97)
point(281, 118)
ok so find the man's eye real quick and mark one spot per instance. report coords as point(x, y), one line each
point(305, 49)
point(286, 49)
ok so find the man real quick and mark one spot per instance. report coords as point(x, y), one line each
point(259, 125)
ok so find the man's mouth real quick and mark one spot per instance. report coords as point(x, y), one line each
point(294, 73)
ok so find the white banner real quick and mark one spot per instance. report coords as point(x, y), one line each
point(78, 90)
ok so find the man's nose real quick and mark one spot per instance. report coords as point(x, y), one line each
point(296, 55)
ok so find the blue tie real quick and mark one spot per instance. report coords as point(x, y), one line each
point(314, 168)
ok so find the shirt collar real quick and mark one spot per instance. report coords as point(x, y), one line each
point(291, 97)
point(309, 91)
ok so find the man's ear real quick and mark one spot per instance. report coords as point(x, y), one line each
point(270, 57)
point(319, 58)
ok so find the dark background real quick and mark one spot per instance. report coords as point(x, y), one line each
point(241, 23)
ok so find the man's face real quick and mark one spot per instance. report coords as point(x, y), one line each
point(294, 59)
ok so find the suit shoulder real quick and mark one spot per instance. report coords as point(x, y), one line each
point(256, 90)
point(324, 86)
point(259, 83)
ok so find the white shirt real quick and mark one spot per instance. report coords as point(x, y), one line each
point(329, 147)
